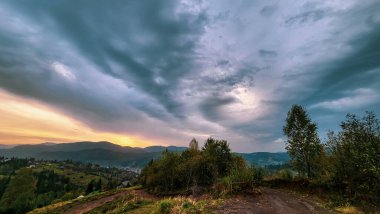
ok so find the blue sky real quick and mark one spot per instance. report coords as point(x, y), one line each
point(165, 71)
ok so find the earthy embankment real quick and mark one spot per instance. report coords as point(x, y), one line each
point(271, 201)
point(83, 208)
point(266, 201)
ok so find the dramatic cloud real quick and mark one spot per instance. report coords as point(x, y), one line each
point(353, 99)
point(166, 71)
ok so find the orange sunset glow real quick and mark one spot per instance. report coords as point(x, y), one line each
point(25, 121)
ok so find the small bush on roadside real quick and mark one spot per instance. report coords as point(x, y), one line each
point(182, 205)
point(284, 174)
point(164, 207)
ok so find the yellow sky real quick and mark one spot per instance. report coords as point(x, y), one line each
point(26, 121)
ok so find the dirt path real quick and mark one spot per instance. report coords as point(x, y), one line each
point(271, 201)
point(82, 208)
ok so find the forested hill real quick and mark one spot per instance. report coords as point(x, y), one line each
point(108, 154)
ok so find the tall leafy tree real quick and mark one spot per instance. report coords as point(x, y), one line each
point(303, 144)
point(356, 155)
point(191, 168)
point(218, 155)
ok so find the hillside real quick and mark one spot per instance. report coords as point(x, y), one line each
point(28, 150)
point(134, 200)
point(266, 158)
point(26, 184)
point(102, 157)
point(109, 154)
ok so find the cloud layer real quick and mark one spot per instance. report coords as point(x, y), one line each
point(168, 71)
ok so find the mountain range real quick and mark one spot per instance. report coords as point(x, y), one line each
point(108, 154)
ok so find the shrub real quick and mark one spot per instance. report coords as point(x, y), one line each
point(164, 207)
point(241, 177)
point(184, 205)
point(284, 174)
point(178, 172)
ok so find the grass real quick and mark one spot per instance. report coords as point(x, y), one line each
point(61, 207)
point(121, 205)
point(185, 205)
point(326, 198)
point(143, 209)
point(131, 204)
point(79, 178)
point(50, 208)
point(348, 209)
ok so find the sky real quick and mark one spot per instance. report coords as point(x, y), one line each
point(140, 73)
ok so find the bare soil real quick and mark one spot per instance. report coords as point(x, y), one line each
point(82, 208)
point(271, 201)
point(268, 200)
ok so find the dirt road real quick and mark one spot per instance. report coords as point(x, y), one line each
point(82, 208)
point(271, 201)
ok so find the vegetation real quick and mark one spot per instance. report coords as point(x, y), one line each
point(19, 194)
point(345, 170)
point(65, 206)
point(193, 170)
point(348, 163)
point(184, 205)
point(122, 204)
point(26, 184)
point(303, 145)
point(355, 157)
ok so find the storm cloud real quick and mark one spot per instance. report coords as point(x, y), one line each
point(173, 70)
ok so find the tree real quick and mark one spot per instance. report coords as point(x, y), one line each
point(303, 144)
point(3, 184)
point(175, 172)
point(98, 185)
point(20, 194)
point(90, 187)
point(218, 156)
point(355, 153)
point(193, 145)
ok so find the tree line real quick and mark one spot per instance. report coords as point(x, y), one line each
point(347, 162)
point(211, 166)
point(26, 184)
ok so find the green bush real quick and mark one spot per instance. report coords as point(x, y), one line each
point(284, 174)
point(179, 172)
point(240, 177)
point(164, 207)
point(185, 206)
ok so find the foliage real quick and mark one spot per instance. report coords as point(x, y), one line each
point(164, 206)
point(355, 156)
point(3, 184)
point(48, 182)
point(349, 162)
point(65, 206)
point(9, 166)
point(193, 171)
point(175, 172)
point(120, 205)
point(218, 156)
point(12, 201)
point(284, 174)
point(184, 205)
point(303, 144)
point(240, 177)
